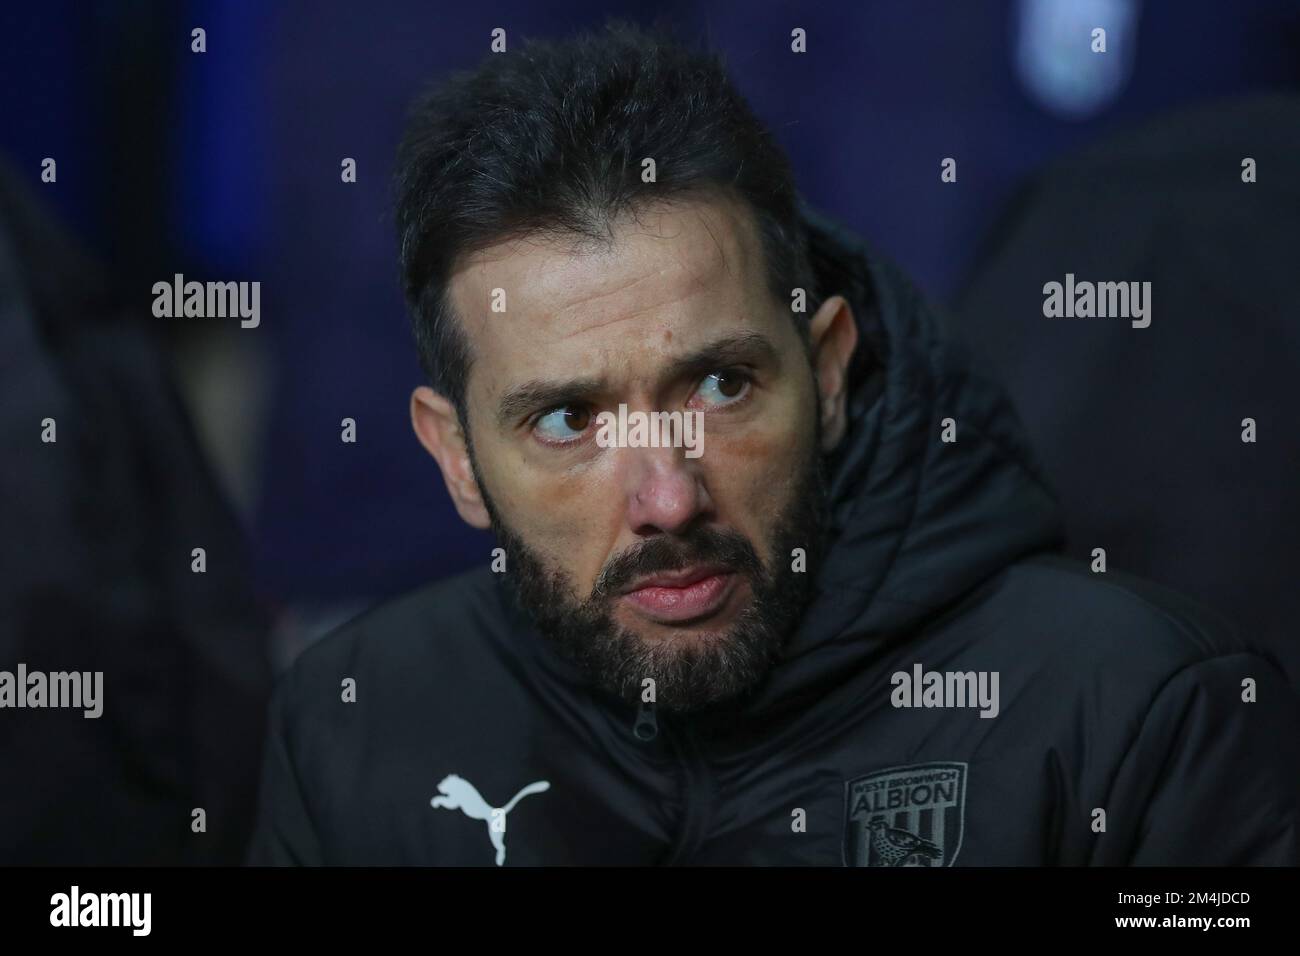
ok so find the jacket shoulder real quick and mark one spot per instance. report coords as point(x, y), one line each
point(1112, 620)
point(1186, 721)
point(429, 630)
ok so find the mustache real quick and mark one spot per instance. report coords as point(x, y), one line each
point(700, 545)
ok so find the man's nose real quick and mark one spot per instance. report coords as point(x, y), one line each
point(665, 493)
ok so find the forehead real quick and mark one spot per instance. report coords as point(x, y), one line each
point(670, 277)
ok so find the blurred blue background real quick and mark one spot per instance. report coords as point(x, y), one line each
point(225, 165)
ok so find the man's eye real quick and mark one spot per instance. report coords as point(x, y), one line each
point(720, 388)
point(563, 424)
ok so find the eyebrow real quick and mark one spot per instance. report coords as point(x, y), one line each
point(735, 349)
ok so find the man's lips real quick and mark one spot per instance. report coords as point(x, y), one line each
point(682, 595)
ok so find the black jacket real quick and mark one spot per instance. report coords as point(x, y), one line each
point(1114, 696)
point(1154, 202)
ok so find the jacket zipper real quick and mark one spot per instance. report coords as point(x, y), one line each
point(646, 727)
point(694, 777)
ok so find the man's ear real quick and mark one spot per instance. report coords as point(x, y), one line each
point(438, 428)
point(834, 336)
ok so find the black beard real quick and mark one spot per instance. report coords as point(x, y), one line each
point(707, 668)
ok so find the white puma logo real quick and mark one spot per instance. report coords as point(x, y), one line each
point(457, 793)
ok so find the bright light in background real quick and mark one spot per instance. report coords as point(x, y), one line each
point(1055, 60)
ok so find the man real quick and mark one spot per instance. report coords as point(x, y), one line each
point(837, 635)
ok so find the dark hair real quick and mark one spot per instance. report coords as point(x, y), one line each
point(550, 140)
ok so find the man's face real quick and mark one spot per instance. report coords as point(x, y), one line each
point(645, 562)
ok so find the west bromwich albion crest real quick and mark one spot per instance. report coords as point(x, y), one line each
point(905, 816)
